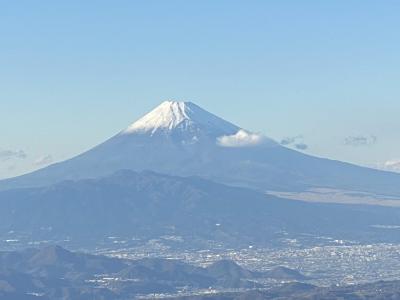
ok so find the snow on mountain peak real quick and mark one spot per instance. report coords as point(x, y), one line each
point(167, 115)
point(170, 115)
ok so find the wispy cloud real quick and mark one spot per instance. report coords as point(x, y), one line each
point(360, 140)
point(295, 141)
point(301, 146)
point(43, 160)
point(242, 139)
point(7, 154)
point(290, 140)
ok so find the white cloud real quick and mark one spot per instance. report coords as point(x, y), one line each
point(43, 160)
point(392, 165)
point(241, 139)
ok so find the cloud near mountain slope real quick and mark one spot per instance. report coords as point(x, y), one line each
point(241, 139)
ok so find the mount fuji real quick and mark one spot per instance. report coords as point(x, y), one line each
point(182, 139)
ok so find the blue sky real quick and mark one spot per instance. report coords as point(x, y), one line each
point(73, 73)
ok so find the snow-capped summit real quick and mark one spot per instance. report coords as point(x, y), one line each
point(186, 116)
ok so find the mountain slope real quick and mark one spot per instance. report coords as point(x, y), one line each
point(180, 138)
point(149, 205)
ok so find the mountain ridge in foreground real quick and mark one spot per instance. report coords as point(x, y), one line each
point(29, 274)
point(182, 139)
point(52, 272)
